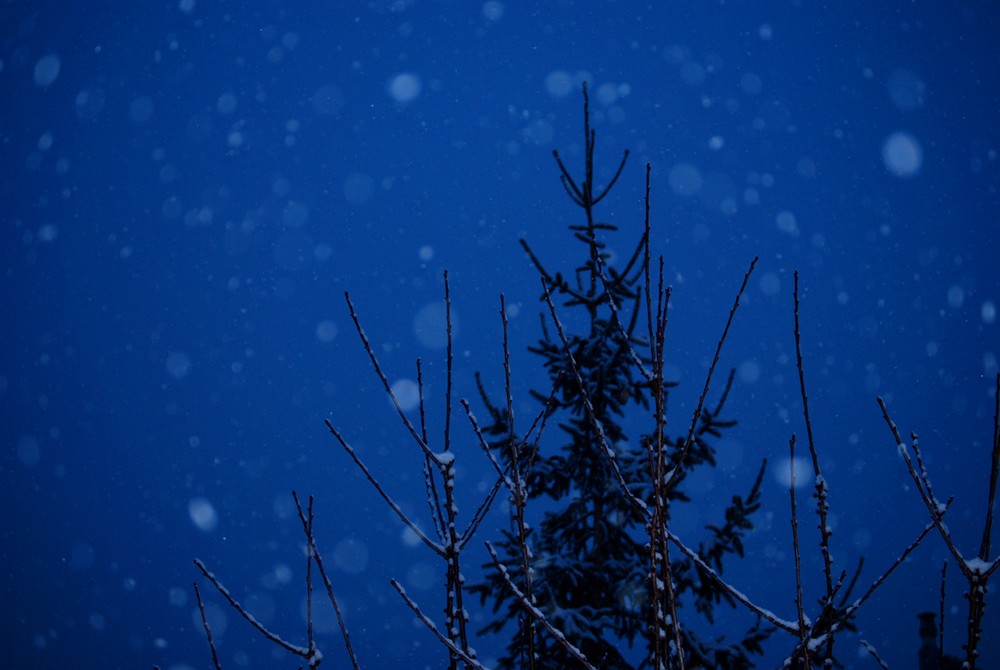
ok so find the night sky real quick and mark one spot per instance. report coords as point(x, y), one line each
point(188, 189)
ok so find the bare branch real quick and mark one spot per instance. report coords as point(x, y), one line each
point(208, 629)
point(307, 528)
point(803, 633)
point(385, 381)
point(675, 475)
point(536, 613)
point(773, 619)
point(301, 652)
point(984, 546)
point(466, 658)
point(434, 546)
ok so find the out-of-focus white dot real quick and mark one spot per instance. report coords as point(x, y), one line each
point(217, 617)
point(426, 253)
point(351, 555)
point(177, 597)
point(990, 364)
point(786, 223)
point(693, 73)
point(749, 372)
point(141, 110)
point(493, 10)
point(842, 298)
point(751, 83)
point(280, 186)
point(47, 232)
point(559, 83)
point(685, 179)
point(783, 472)
point(178, 364)
point(409, 538)
point(407, 393)
point(46, 70)
point(902, 154)
point(186, 6)
point(770, 283)
point(203, 514)
point(932, 349)
point(607, 93)
point(322, 252)
point(806, 167)
point(326, 330)
point(28, 451)
point(405, 87)
point(716, 142)
point(988, 311)
point(539, 132)
point(956, 296)
point(275, 55)
point(765, 31)
point(421, 576)
point(226, 104)
point(295, 214)
point(430, 325)
point(873, 380)
point(281, 574)
point(358, 187)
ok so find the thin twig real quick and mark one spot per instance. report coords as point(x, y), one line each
point(944, 575)
point(536, 613)
point(639, 505)
point(208, 629)
point(465, 657)
point(795, 548)
point(984, 546)
point(310, 538)
point(874, 654)
point(771, 617)
point(434, 546)
point(295, 649)
point(678, 468)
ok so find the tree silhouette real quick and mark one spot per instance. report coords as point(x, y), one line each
point(601, 579)
point(599, 556)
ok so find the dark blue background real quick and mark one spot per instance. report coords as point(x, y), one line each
point(188, 188)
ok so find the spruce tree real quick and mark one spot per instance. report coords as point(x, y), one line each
point(590, 555)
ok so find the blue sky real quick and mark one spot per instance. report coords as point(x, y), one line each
point(189, 188)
